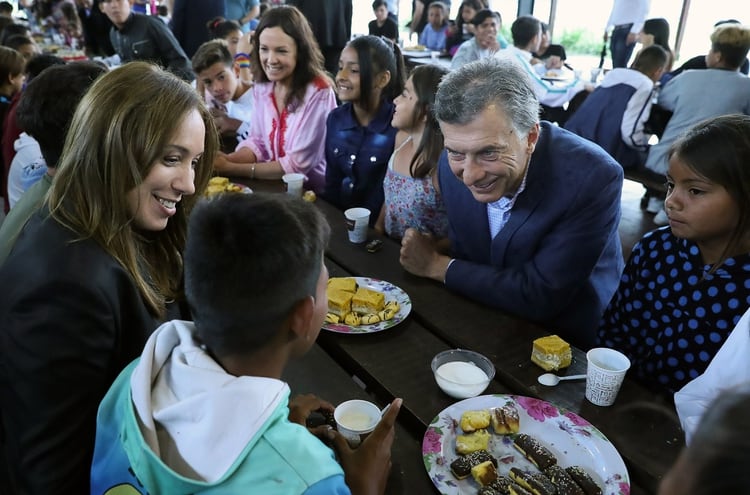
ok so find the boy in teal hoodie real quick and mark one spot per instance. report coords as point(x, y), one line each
point(204, 410)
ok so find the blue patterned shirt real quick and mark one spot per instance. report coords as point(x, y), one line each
point(668, 315)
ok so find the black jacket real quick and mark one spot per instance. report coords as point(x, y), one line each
point(71, 318)
point(144, 37)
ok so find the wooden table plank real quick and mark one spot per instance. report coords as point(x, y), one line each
point(317, 373)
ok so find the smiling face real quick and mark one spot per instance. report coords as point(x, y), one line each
point(118, 11)
point(406, 102)
point(698, 209)
point(488, 155)
point(486, 32)
point(347, 78)
point(154, 201)
point(278, 54)
point(220, 81)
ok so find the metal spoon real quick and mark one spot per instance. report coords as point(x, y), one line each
point(550, 379)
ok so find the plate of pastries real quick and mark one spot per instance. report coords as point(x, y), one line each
point(510, 444)
point(219, 185)
point(364, 305)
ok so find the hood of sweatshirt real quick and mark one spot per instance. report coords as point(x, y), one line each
point(197, 418)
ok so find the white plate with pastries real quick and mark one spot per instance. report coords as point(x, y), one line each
point(393, 297)
point(570, 439)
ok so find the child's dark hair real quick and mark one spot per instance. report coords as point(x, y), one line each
point(210, 53)
point(309, 57)
point(6, 8)
point(249, 259)
point(379, 3)
point(650, 59)
point(38, 63)
point(49, 101)
point(474, 4)
point(719, 150)
point(218, 27)
point(12, 63)
point(18, 40)
point(162, 10)
point(376, 55)
point(425, 79)
point(11, 29)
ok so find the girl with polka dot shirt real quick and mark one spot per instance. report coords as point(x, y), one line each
point(686, 285)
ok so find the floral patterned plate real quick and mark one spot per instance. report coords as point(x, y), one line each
point(572, 439)
point(391, 293)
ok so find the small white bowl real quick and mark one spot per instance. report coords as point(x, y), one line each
point(461, 373)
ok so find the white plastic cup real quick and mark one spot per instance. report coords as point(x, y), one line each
point(294, 183)
point(604, 375)
point(355, 419)
point(434, 55)
point(357, 221)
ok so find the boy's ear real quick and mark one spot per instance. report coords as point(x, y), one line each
point(301, 317)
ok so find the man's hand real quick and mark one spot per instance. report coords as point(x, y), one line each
point(420, 256)
point(366, 468)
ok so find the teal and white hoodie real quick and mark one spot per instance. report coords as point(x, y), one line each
point(174, 422)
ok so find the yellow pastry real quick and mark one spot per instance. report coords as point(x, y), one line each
point(478, 440)
point(367, 301)
point(551, 353)
point(352, 319)
point(475, 420)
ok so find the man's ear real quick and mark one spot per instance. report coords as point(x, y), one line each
point(301, 317)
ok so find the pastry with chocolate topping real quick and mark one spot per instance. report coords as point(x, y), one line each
point(584, 480)
point(484, 473)
point(516, 489)
point(461, 466)
point(562, 480)
point(534, 451)
point(505, 420)
point(498, 487)
point(536, 483)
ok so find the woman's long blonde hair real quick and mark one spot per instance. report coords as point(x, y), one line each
point(120, 129)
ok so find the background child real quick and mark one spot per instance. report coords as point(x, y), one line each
point(613, 116)
point(383, 24)
point(685, 286)
point(292, 98)
point(226, 367)
point(716, 461)
point(229, 31)
point(229, 98)
point(412, 196)
point(434, 33)
point(12, 77)
point(359, 135)
point(462, 30)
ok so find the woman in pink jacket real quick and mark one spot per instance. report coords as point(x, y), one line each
point(293, 96)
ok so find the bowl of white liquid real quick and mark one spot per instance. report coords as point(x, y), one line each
point(461, 373)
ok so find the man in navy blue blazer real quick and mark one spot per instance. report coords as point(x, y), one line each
point(533, 208)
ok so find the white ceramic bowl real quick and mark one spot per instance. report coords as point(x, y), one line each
point(461, 373)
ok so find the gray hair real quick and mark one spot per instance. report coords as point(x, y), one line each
point(466, 92)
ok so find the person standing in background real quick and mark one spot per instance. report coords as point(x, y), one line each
point(331, 23)
point(143, 37)
point(242, 11)
point(189, 21)
point(625, 20)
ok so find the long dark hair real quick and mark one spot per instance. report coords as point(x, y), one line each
point(309, 57)
point(376, 55)
point(425, 79)
point(719, 150)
